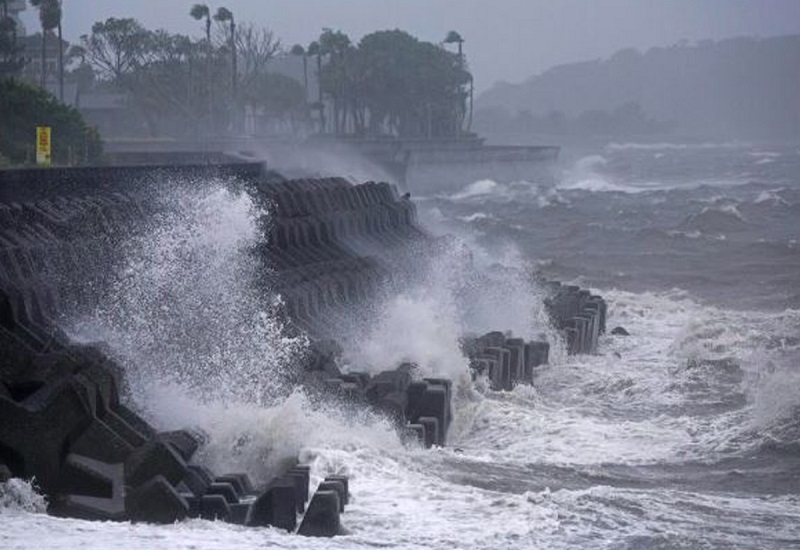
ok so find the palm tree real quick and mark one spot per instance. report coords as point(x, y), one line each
point(454, 38)
point(60, 56)
point(315, 49)
point(50, 18)
point(224, 15)
point(297, 49)
point(201, 11)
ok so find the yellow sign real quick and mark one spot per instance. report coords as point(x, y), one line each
point(43, 145)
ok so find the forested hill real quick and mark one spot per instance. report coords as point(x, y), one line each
point(735, 88)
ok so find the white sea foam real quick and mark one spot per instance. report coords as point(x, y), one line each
point(667, 146)
point(587, 174)
point(19, 495)
point(765, 154)
point(771, 196)
point(477, 189)
point(458, 291)
point(474, 217)
point(624, 406)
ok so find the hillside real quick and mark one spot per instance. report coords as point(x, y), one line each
point(735, 88)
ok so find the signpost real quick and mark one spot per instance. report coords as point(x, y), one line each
point(43, 134)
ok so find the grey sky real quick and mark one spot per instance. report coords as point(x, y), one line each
point(505, 39)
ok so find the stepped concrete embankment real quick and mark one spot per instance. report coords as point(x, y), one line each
point(331, 246)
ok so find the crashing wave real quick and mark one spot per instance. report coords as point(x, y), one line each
point(720, 219)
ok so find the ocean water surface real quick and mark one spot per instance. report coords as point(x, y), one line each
point(685, 434)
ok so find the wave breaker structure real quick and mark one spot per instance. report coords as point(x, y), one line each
point(329, 248)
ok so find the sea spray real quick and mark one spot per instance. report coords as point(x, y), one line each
point(187, 304)
point(264, 439)
point(191, 316)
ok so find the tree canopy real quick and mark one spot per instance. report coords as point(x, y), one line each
point(393, 83)
point(389, 83)
point(11, 59)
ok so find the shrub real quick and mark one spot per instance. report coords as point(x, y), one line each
point(23, 107)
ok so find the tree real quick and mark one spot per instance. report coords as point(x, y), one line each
point(392, 82)
point(201, 11)
point(336, 45)
point(60, 55)
point(224, 15)
point(49, 18)
point(115, 48)
point(454, 38)
point(83, 75)
point(315, 50)
point(299, 50)
point(11, 59)
point(198, 12)
point(279, 98)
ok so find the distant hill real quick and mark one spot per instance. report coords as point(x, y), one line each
point(735, 88)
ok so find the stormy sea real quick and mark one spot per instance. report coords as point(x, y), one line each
point(685, 433)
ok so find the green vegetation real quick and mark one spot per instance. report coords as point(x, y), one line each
point(50, 15)
point(392, 83)
point(177, 86)
point(238, 77)
point(23, 107)
point(11, 58)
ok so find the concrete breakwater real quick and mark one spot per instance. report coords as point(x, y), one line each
point(333, 248)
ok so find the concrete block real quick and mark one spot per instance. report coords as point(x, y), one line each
point(156, 501)
point(110, 506)
point(215, 507)
point(35, 433)
point(5, 473)
point(345, 482)
point(335, 485)
point(184, 442)
point(276, 506)
point(304, 472)
point(298, 481)
point(239, 513)
point(432, 430)
point(154, 458)
point(323, 517)
point(100, 442)
point(223, 489)
point(240, 482)
point(195, 482)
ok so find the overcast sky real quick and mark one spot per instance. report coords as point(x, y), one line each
point(505, 39)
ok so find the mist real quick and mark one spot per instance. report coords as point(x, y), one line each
point(511, 41)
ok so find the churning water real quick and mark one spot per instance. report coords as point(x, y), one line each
point(685, 434)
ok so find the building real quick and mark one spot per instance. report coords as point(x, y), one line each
point(15, 7)
point(32, 50)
